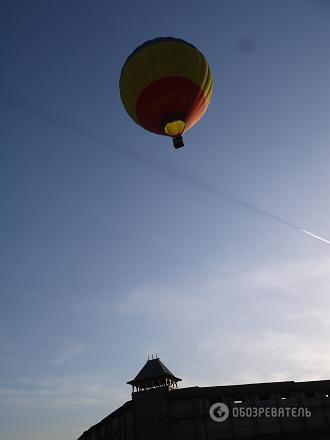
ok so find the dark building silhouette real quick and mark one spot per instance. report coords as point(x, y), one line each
point(160, 411)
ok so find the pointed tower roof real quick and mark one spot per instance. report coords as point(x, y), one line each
point(153, 374)
point(153, 369)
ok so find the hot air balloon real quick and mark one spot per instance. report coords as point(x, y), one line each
point(166, 86)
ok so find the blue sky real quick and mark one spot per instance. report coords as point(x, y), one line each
point(107, 254)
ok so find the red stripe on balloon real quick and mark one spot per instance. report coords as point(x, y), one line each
point(173, 94)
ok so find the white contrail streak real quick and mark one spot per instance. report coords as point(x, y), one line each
point(54, 119)
point(315, 236)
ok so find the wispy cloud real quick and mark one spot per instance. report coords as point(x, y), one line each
point(67, 353)
point(263, 323)
point(300, 286)
point(67, 392)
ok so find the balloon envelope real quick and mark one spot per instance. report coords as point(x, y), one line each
point(166, 86)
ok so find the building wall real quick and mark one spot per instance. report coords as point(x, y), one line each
point(184, 415)
point(190, 417)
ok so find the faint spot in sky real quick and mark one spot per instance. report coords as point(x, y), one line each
point(246, 45)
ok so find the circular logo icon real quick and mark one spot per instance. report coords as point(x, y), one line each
point(219, 412)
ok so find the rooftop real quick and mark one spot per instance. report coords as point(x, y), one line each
point(153, 369)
